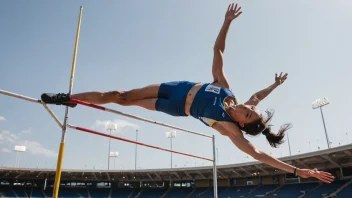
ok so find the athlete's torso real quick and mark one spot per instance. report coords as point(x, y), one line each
point(206, 102)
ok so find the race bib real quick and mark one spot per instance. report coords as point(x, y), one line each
point(212, 88)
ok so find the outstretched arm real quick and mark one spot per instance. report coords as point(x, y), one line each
point(236, 136)
point(218, 71)
point(260, 95)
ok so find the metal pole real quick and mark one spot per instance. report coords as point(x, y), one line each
point(289, 146)
point(109, 151)
point(326, 134)
point(171, 149)
point(135, 154)
point(62, 144)
point(217, 155)
point(215, 177)
point(16, 159)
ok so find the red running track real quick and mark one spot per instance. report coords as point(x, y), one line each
point(134, 142)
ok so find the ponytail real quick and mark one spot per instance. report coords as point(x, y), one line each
point(276, 139)
point(262, 126)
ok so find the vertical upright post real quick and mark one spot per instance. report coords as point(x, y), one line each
point(326, 134)
point(62, 144)
point(215, 175)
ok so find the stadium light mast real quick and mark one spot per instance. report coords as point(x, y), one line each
point(110, 126)
point(135, 152)
point(319, 103)
point(289, 145)
point(114, 155)
point(171, 135)
point(19, 149)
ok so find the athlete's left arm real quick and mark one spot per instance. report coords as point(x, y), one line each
point(260, 95)
point(235, 134)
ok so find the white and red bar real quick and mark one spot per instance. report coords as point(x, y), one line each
point(135, 117)
point(32, 100)
point(134, 142)
point(20, 96)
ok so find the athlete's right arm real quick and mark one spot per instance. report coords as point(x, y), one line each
point(236, 136)
point(218, 71)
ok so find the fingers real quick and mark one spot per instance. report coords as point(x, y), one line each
point(238, 9)
point(238, 14)
point(327, 175)
point(323, 176)
point(280, 76)
point(325, 179)
point(234, 8)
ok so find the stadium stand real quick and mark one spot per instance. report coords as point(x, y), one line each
point(306, 190)
point(246, 180)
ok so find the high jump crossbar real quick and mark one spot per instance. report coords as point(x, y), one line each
point(100, 108)
point(34, 101)
point(65, 123)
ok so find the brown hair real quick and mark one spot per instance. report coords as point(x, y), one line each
point(261, 126)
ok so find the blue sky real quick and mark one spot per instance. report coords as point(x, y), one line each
point(128, 44)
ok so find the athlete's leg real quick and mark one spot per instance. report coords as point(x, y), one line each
point(150, 91)
point(96, 97)
point(145, 103)
point(119, 97)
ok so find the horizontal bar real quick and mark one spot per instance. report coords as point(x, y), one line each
point(20, 96)
point(135, 117)
point(134, 142)
point(32, 100)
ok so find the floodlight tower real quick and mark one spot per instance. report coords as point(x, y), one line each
point(19, 149)
point(135, 152)
point(289, 146)
point(171, 135)
point(319, 103)
point(110, 127)
point(114, 155)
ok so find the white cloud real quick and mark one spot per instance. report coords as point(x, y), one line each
point(5, 150)
point(2, 118)
point(37, 149)
point(26, 131)
point(8, 137)
point(32, 147)
point(118, 124)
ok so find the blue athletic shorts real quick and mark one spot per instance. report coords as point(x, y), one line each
point(172, 97)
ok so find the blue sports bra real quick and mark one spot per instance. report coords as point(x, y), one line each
point(207, 105)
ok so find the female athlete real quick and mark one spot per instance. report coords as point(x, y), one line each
point(214, 104)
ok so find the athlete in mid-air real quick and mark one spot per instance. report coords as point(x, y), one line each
point(213, 103)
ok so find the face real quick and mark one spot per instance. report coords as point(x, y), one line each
point(244, 113)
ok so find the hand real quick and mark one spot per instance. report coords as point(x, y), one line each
point(321, 175)
point(232, 12)
point(280, 79)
